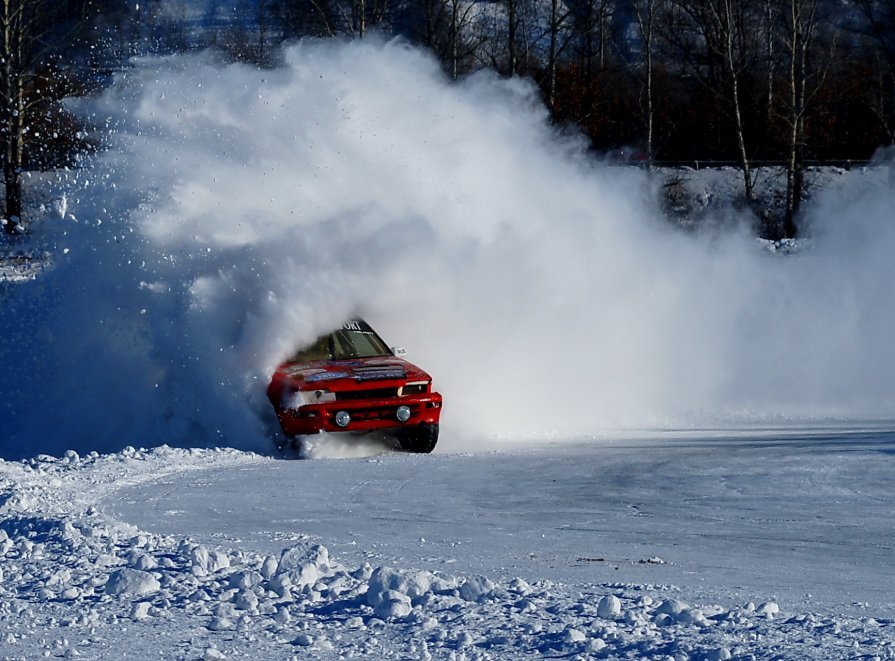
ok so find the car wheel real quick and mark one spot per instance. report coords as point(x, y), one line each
point(284, 442)
point(420, 439)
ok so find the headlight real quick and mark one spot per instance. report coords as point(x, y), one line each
point(415, 388)
point(301, 398)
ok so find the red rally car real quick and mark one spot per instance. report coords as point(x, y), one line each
point(349, 380)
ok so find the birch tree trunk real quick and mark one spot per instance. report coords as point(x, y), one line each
point(807, 72)
point(731, 60)
point(646, 12)
point(718, 33)
point(512, 27)
point(12, 22)
point(360, 8)
point(769, 53)
point(552, 53)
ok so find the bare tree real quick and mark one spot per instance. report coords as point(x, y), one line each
point(556, 23)
point(645, 11)
point(446, 27)
point(876, 25)
point(590, 24)
point(359, 15)
point(808, 63)
point(30, 35)
point(512, 41)
point(305, 18)
point(457, 46)
point(330, 18)
point(715, 38)
point(771, 9)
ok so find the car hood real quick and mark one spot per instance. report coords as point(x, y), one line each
point(318, 373)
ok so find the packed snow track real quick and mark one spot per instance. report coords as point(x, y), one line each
point(801, 517)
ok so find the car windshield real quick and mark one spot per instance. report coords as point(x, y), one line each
point(354, 340)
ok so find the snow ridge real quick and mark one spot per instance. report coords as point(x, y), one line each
point(76, 583)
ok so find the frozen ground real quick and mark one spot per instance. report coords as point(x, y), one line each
point(775, 514)
point(709, 545)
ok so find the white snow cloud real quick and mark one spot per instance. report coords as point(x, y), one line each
point(245, 211)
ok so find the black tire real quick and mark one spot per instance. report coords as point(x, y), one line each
point(420, 439)
point(284, 442)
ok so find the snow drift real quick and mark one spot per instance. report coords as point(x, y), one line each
point(236, 213)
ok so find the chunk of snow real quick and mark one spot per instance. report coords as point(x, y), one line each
point(207, 560)
point(303, 640)
point(131, 582)
point(594, 645)
point(246, 600)
point(672, 607)
point(476, 588)
point(412, 584)
point(269, 567)
point(610, 606)
point(140, 611)
point(219, 623)
point(392, 605)
point(302, 566)
point(299, 555)
point(142, 561)
point(768, 609)
point(245, 579)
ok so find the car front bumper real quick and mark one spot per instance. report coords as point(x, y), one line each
point(365, 415)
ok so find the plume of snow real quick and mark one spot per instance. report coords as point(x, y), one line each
point(237, 213)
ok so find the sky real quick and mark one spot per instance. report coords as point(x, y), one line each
point(235, 214)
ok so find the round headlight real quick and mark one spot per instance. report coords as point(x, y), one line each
point(403, 413)
point(342, 418)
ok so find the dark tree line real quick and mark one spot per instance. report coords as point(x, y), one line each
point(744, 81)
point(35, 40)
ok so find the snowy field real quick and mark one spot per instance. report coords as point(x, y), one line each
point(710, 545)
point(234, 214)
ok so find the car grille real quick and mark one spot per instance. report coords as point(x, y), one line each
point(374, 393)
point(378, 373)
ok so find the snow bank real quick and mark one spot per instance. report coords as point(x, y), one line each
point(77, 584)
point(237, 213)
